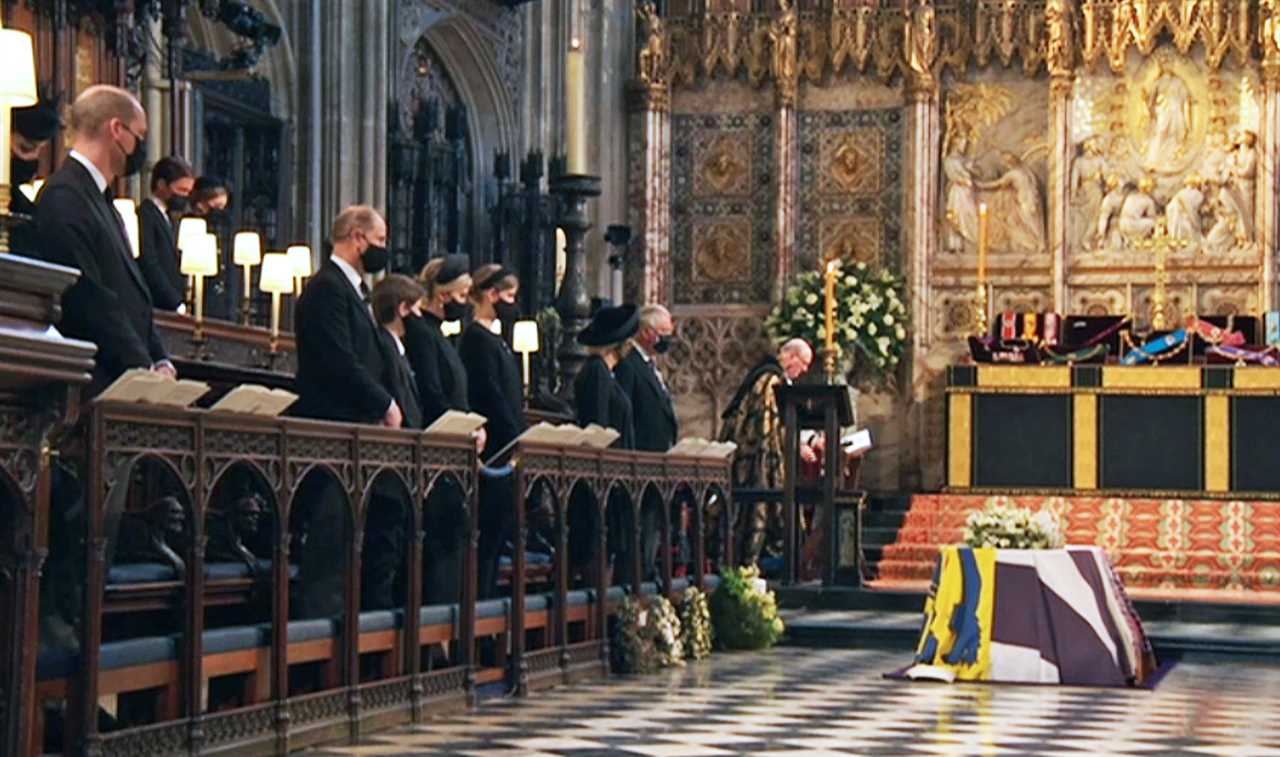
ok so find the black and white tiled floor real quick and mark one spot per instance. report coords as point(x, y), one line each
point(794, 701)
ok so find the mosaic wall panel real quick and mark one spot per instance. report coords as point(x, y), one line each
point(850, 187)
point(722, 208)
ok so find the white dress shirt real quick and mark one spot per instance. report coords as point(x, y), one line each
point(98, 178)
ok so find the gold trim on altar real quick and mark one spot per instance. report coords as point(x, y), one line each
point(1146, 377)
point(1084, 441)
point(959, 439)
point(1028, 376)
point(1217, 443)
point(1255, 378)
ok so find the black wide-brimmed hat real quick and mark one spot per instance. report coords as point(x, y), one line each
point(41, 121)
point(611, 325)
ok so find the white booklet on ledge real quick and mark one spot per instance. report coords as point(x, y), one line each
point(252, 399)
point(147, 386)
point(456, 423)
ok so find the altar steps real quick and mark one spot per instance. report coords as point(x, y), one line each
point(890, 619)
point(881, 521)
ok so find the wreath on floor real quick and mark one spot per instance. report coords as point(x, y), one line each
point(648, 636)
point(695, 624)
point(744, 613)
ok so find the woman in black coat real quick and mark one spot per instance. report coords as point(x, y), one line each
point(600, 399)
point(441, 377)
point(597, 395)
point(494, 390)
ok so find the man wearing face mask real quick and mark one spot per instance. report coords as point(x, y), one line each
point(171, 182)
point(341, 365)
point(33, 128)
point(656, 428)
point(77, 226)
point(339, 359)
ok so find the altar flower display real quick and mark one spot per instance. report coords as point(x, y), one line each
point(695, 624)
point(744, 614)
point(1004, 527)
point(648, 636)
point(870, 316)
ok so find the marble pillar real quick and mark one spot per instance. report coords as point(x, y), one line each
point(1266, 209)
point(924, 123)
point(648, 277)
point(788, 166)
point(1059, 190)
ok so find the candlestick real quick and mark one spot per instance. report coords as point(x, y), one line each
point(980, 305)
point(829, 304)
point(576, 108)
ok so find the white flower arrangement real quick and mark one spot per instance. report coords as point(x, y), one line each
point(1006, 527)
point(870, 317)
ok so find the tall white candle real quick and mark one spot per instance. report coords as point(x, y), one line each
point(575, 109)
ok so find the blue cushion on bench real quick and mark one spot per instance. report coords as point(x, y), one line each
point(679, 584)
point(234, 639)
point(141, 573)
point(493, 608)
point(647, 588)
point(537, 602)
point(379, 620)
point(501, 471)
point(310, 630)
point(438, 615)
point(143, 651)
point(531, 559)
point(581, 597)
point(710, 582)
point(616, 593)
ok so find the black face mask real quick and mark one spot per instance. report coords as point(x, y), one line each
point(508, 312)
point(455, 311)
point(178, 204)
point(133, 161)
point(376, 258)
point(23, 171)
point(663, 344)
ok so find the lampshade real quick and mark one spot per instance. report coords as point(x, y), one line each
point(300, 259)
point(201, 258)
point(277, 273)
point(18, 74)
point(191, 231)
point(129, 214)
point(524, 337)
point(247, 248)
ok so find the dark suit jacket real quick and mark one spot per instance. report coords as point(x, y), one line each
point(398, 379)
point(340, 356)
point(494, 387)
point(109, 304)
point(655, 417)
point(600, 400)
point(158, 257)
point(441, 377)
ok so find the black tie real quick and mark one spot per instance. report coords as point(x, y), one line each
point(364, 293)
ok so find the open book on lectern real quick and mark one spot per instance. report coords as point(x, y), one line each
point(147, 386)
point(456, 423)
point(252, 399)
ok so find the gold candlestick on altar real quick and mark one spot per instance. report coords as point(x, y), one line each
point(980, 287)
point(829, 320)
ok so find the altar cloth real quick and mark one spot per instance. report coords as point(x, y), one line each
point(1033, 616)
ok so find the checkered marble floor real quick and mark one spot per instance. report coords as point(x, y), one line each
point(794, 701)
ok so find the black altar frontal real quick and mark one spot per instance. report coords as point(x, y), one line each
point(1204, 431)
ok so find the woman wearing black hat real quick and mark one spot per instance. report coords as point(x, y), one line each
point(442, 379)
point(598, 396)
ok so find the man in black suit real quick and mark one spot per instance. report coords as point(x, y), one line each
point(655, 416)
point(77, 226)
point(171, 182)
point(341, 362)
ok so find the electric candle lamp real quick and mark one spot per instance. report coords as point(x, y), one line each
point(200, 259)
point(276, 279)
point(300, 264)
point(524, 339)
point(247, 252)
point(17, 90)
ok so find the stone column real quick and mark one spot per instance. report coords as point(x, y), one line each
point(1265, 207)
point(788, 166)
point(648, 276)
point(924, 123)
point(1060, 158)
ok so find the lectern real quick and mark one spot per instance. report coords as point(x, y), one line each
point(826, 408)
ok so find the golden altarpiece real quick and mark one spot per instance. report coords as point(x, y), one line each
point(768, 134)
